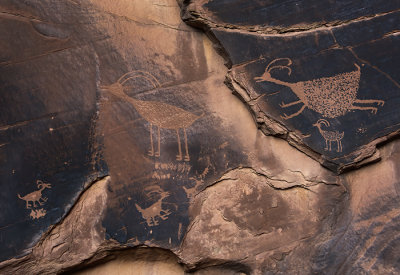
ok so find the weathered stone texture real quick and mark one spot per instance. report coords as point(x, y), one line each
point(150, 137)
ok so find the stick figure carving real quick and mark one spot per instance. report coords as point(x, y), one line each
point(157, 113)
point(36, 196)
point(330, 136)
point(330, 96)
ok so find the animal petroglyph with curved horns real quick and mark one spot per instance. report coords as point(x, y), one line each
point(36, 196)
point(157, 113)
point(330, 96)
point(330, 136)
point(155, 212)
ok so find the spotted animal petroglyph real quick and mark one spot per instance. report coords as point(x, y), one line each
point(155, 212)
point(160, 114)
point(330, 136)
point(36, 196)
point(330, 96)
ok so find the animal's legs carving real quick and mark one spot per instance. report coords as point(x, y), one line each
point(326, 144)
point(187, 158)
point(369, 101)
point(151, 152)
point(339, 146)
point(179, 157)
point(295, 114)
point(158, 144)
point(373, 109)
point(284, 105)
point(165, 214)
point(44, 200)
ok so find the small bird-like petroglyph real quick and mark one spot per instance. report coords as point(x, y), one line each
point(330, 96)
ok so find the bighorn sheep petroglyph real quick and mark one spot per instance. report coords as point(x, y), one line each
point(155, 211)
point(330, 136)
point(36, 196)
point(330, 96)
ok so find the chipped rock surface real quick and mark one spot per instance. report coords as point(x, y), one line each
point(199, 137)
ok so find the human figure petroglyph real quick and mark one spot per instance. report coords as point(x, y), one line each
point(157, 113)
point(36, 196)
point(330, 96)
point(154, 212)
point(330, 136)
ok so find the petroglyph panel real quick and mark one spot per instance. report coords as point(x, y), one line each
point(290, 89)
point(47, 119)
point(171, 147)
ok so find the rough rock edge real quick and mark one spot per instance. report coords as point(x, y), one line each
point(365, 155)
point(246, 265)
point(195, 15)
point(276, 182)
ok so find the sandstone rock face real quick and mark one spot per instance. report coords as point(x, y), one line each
point(332, 91)
point(187, 137)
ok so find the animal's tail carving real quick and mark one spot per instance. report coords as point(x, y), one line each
point(139, 208)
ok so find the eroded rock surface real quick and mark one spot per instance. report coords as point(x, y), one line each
point(123, 148)
point(257, 219)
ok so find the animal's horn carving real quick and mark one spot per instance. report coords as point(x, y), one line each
point(324, 121)
point(134, 74)
point(270, 67)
